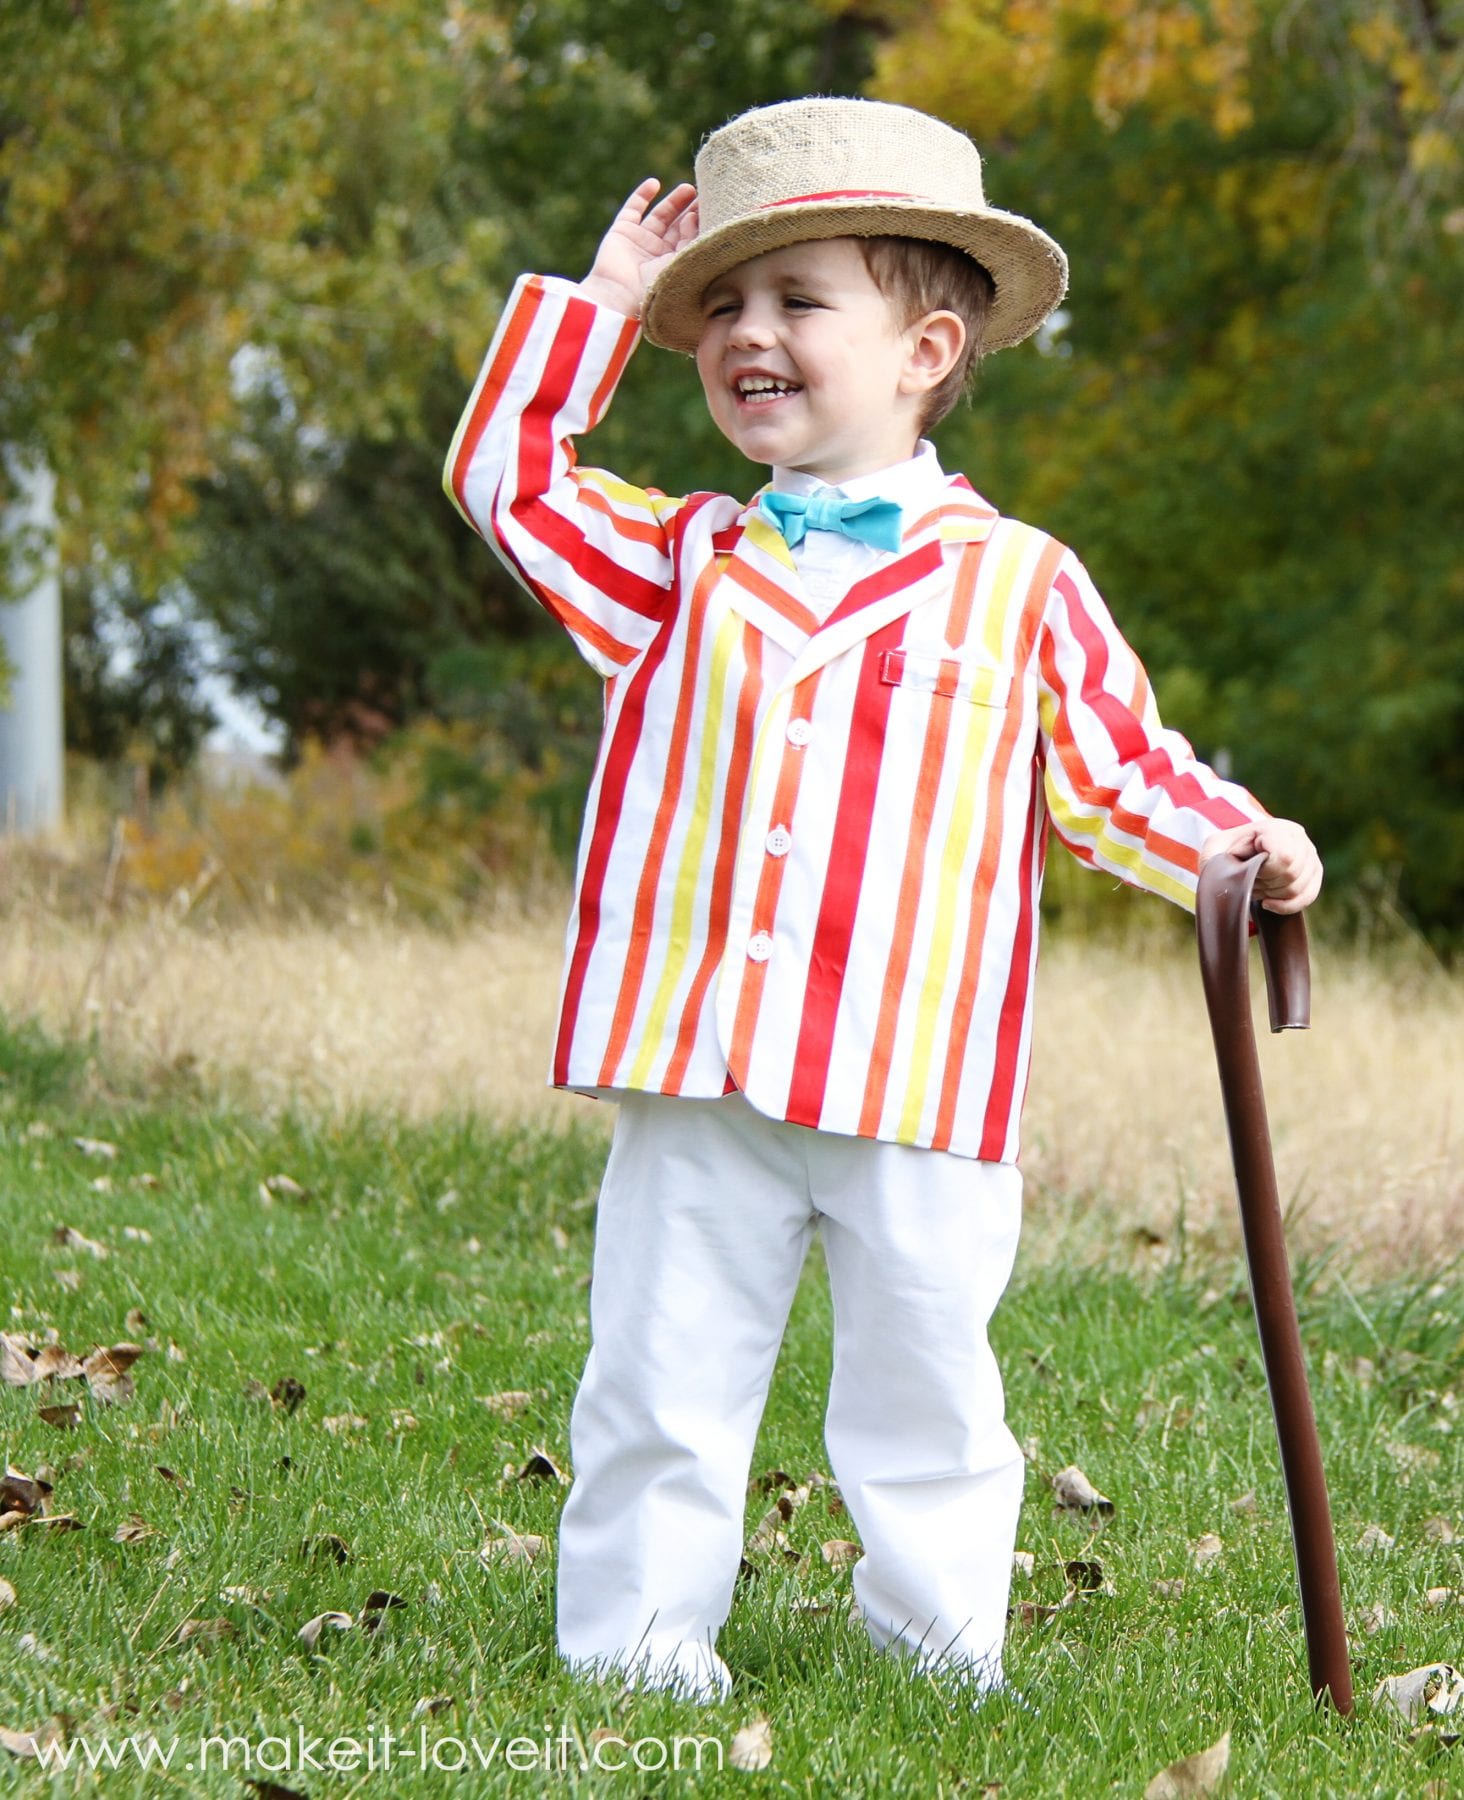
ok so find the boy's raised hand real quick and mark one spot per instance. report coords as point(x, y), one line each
point(640, 240)
point(1291, 876)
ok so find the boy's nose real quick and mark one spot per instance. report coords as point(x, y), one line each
point(752, 330)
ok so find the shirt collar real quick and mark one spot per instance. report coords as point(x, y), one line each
point(915, 486)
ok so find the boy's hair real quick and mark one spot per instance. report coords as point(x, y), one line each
point(917, 277)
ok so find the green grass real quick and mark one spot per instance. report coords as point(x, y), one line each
point(369, 1291)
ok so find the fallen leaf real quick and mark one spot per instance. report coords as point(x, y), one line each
point(1435, 1687)
point(7, 1593)
point(378, 1604)
point(171, 1475)
point(509, 1404)
point(838, 1553)
point(326, 1543)
point(1023, 1563)
point(24, 1494)
point(338, 1621)
point(1086, 1577)
point(1376, 1618)
point(512, 1546)
point(287, 1392)
point(64, 1418)
point(205, 1631)
point(95, 1147)
point(17, 1361)
point(752, 1747)
point(107, 1374)
point(70, 1279)
point(539, 1467)
point(343, 1422)
point(1195, 1775)
point(768, 1534)
point(1169, 1590)
point(285, 1185)
point(53, 1363)
point(73, 1240)
point(1375, 1538)
point(133, 1530)
point(1438, 1529)
point(138, 1234)
point(271, 1790)
point(402, 1420)
point(1437, 1598)
point(1408, 1459)
point(30, 1743)
point(430, 1705)
point(1205, 1549)
point(1075, 1493)
point(1244, 1503)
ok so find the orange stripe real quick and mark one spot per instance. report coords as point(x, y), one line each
point(583, 626)
point(494, 382)
point(600, 399)
point(932, 761)
point(785, 798)
point(734, 790)
point(805, 619)
point(643, 922)
point(638, 531)
point(965, 1003)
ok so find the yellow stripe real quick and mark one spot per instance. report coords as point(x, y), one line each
point(678, 941)
point(963, 817)
point(613, 488)
point(1147, 872)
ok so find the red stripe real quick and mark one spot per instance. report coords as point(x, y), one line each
point(847, 194)
point(829, 958)
point(494, 382)
point(536, 469)
point(1013, 1008)
point(904, 573)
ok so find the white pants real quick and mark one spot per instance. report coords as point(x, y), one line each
point(705, 1215)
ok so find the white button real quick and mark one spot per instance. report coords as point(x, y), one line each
point(760, 948)
point(799, 731)
point(779, 841)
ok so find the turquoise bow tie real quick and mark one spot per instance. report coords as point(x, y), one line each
point(873, 522)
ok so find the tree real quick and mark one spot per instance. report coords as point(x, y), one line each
point(1251, 420)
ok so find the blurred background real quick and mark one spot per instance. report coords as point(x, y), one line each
point(251, 252)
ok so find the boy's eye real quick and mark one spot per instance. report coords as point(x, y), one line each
point(721, 309)
point(798, 302)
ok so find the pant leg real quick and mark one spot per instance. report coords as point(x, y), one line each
point(701, 1231)
point(920, 1246)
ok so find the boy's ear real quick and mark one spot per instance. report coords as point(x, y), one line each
point(935, 345)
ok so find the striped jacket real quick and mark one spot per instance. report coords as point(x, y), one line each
point(812, 853)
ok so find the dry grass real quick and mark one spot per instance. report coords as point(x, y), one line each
point(1123, 1126)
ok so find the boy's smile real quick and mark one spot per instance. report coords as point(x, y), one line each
point(805, 365)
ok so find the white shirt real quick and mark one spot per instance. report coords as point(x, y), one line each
point(829, 563)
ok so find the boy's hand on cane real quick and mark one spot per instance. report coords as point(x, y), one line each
point(1291, 876)
point(641, 238)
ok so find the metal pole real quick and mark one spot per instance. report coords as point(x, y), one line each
point(1223, 914)
point(31, 751)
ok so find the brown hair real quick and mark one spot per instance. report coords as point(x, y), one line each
point(917, 277)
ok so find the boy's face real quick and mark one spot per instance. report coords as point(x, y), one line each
point(805, 365)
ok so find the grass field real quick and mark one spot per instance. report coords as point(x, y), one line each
point(413, 1267)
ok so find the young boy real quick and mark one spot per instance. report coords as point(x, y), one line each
point(839, 721)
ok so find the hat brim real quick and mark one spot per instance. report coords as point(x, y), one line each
point(1028, 269)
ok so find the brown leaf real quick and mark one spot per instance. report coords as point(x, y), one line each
point(1075, 1493)
point(752, 1747)
point(326, 1543)
point(509, 1404)
point(1244, 1503)
point(1023, 1563)
point(271, 1790)
point(539, 1467)
point(1192, 1776)
point(133, 1530)
point(1375, 1538)
point(338, 1621)
point(70, 1279)
point(73, 1240)
point(137, 1320)
point(1206, 1548)
point(1436, 1688)
point(17, 1361)
point(7, 1594)
point(1438, 1529)
point(1086, 1577)
point(23, 1493)
point(205, 1631)
point(107, 1374)
point(30, 1743)
point(64, 1418)
point(287, 1392)
point(55, 1364)
point(769, 1534)
point(285, 1185)
point(137, 1234)
point(1169, 1590)
point(512, 1546)
point(1376, 1618)
point(1437, 1598)
point(171, 1475)
point(340, 1423)
point(378, 1604)
point(838, 1553)
point(430, 1705)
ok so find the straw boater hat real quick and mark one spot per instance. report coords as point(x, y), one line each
point(850, 168)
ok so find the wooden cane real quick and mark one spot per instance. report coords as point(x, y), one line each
point(1223, 913)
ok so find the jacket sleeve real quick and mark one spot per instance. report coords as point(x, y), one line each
point(1123, 793)
point(595, 551)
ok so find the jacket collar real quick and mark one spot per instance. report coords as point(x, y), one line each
point(763, 582)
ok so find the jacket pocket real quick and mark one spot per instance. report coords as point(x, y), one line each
point(951, 677)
